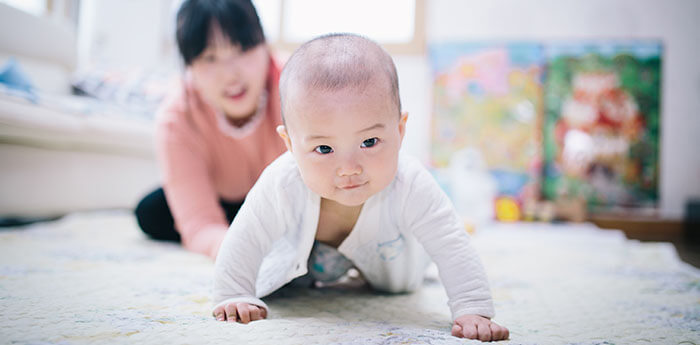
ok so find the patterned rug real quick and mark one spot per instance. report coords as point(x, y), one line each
point(94, 278)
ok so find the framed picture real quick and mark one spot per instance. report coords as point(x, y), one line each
point(565, 121)
point(488, 97)
point(601, 127)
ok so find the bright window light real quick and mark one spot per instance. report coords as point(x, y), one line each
point(35, 7)
point(269, 12)
point(385, 21)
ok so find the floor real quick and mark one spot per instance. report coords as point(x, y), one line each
point(102, 281)
point(688, 251)
point(655, 230)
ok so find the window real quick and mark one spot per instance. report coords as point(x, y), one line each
point(35, 7)
point(398, 25)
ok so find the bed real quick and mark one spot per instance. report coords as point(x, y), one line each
point(94, 278)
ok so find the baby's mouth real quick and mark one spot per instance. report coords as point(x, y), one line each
point(352, 186)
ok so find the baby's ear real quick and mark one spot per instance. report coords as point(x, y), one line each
point(402, 124)
point(282, 132)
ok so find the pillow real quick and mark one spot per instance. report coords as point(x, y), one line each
point(135, 90)
point(13, 77)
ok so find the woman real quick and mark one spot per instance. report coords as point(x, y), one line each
point(216, 133)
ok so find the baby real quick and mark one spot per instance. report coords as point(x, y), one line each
point(343, 196)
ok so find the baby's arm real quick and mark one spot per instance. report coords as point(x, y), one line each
point(433, 220)
point(465, 281)
point(256, 226)
point(235, 271)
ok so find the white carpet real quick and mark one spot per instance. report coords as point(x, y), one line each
point(94, 278)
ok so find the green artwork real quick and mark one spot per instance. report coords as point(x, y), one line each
point(601, 126)
point(575, 120)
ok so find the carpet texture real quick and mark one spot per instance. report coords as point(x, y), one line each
point(94, 278)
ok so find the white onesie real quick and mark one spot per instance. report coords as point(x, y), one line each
point(398, 232)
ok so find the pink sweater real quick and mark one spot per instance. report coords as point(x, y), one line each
point(201, 164)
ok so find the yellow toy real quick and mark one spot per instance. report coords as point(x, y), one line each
point(507, 209)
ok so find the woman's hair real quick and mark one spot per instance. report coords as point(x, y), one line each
point(237, 19)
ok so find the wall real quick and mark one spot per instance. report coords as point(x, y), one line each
point(133, 31)
point(125, 33)
point(675, 22)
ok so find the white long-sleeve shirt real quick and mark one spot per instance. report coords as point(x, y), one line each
point(397, 233)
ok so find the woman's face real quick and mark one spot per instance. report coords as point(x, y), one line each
point(228, 78)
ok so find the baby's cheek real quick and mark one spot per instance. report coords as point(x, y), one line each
point(318, 184)
point(320, 172)
point(387, 161)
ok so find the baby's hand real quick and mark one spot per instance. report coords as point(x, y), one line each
point(478, 327)
point(239, 312)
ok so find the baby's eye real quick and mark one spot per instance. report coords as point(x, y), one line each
point(323, 149)
point(370, 142)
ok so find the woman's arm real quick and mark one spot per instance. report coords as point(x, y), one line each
point(188, 187)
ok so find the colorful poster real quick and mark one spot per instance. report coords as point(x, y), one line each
point(601, 128)
point(488, 97)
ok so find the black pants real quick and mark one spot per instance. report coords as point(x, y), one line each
point(155, 219)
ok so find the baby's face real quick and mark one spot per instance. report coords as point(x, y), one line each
point(346, 143)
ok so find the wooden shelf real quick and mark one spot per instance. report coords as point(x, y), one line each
point(645, 228)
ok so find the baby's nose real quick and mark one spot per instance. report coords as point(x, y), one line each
point(349, 168)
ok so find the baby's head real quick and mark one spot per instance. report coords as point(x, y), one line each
point(342, 114)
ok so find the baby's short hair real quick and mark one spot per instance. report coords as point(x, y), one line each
point(337, 61)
